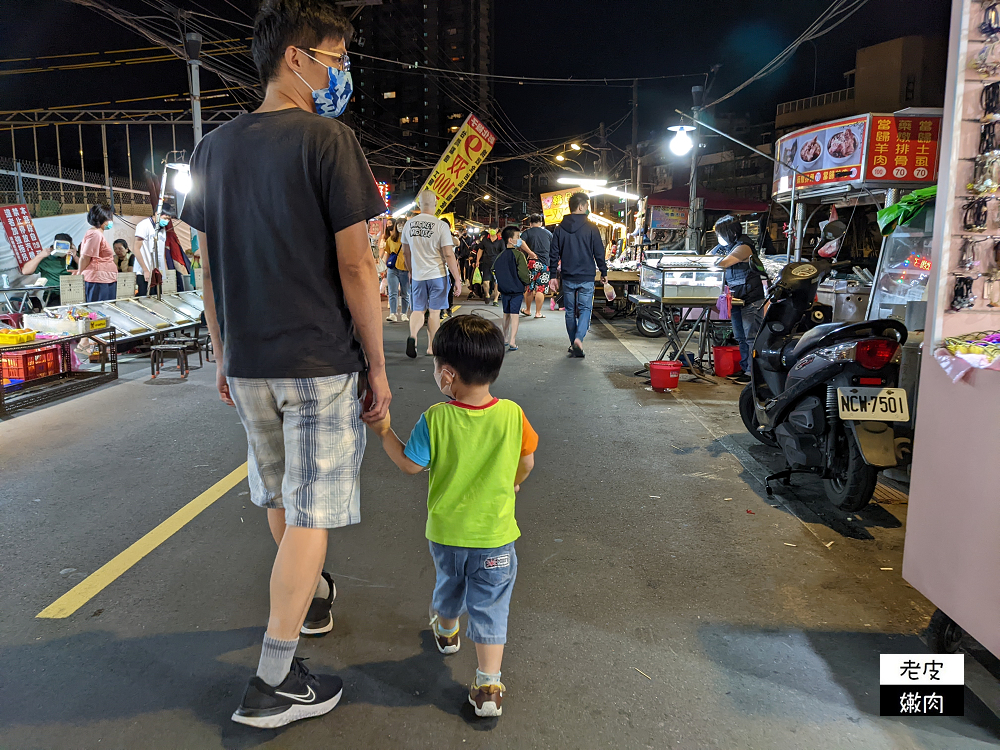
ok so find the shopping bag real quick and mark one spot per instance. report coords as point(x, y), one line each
point(383, 288)
point(477, 277)
point(725, 305)
point(609, 292)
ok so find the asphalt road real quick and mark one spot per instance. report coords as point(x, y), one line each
point(662, 600)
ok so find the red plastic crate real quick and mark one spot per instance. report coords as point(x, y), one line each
point(31, 364)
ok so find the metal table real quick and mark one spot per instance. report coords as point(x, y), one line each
point(24, 292)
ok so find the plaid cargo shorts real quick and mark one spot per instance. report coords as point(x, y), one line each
point(305, 443)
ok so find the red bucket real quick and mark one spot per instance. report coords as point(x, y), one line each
point(727, 360)
point(664, 374)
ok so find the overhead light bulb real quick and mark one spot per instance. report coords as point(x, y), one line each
point(560, 157)
point(182, 181)
point(681, 144)
point(575, 146)
point(486, 197)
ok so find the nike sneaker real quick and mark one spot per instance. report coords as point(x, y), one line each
point(319, 618)
point(301, 695)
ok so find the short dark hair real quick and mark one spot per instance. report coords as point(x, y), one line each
point(576, 200)
point(534, 219)
point(99, 215)
point(63, 237)
point(729, 228)
point(281, 24)
point(124, 242)
point(508, 232)
point(472, 346)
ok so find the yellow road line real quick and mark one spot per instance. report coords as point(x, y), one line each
point(97, 581)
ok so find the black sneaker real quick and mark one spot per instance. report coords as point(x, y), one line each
point(300, 696)
point(740, 378)
point(319, 618)
point(578, 351)
point(411, 347)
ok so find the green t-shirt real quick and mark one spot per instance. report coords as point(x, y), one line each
point(472, 453)
point(52, 267)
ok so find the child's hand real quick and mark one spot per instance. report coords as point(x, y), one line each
point(382, 427)
point(517, 488)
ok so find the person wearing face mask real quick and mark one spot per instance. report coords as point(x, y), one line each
point(280, 199)
point(150, 250)
point(490, 247)
point(97, 259)
point(743, 277)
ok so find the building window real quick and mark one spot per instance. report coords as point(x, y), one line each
point(389, 95)
point(402, 120)
point(406, 133)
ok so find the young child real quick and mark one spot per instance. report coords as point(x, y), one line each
point(511, 271)
point(479, 449)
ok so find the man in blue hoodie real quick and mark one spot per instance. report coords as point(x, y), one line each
point(578, 243)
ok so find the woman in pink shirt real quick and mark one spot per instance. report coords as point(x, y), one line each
point(97, 259)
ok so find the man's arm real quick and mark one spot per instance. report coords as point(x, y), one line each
point(448, 251)
point(554, 252)
point(738, 255)
point(212, 319)
point(405, 250)
point(32, 265)
point(360, 282)
point(597, 248)
point(137, 252)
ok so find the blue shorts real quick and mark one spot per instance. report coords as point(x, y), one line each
point(512, 303)
point(429, 294)
point(477, 581)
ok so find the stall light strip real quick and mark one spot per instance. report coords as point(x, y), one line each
point(104, 576)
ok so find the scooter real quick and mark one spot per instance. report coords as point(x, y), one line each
point(826, 393)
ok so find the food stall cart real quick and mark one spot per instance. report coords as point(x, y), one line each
point(952, 554)
point(666, 215)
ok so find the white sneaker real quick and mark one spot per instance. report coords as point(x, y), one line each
point(403, 318)
point(392, 318)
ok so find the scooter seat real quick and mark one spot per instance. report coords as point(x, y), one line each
point(813, 335)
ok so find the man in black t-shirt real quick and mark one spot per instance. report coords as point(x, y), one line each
point(276, 191)
point(490, 246)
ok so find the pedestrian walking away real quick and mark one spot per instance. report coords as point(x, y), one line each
point(744, 273)
point(539, 239)
point(397, 275)
point(577, 243)
point(97, 259)
point(490, 247)
point(478, 449)
point(511, 272)
point(430, 254)
point(288, 181)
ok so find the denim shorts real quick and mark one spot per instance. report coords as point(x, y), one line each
point(477, 581)
point(512, 303)
point(429, 294)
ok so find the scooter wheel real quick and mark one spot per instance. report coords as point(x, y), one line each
point(853, 482)
point(749, 417)
point(944, 635)
point(648, 327)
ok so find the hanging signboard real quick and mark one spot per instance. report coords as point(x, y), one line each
point(856, 150)
point(20, 233)
point(466, 152)
point(555, 205)
point(668, 217)
point(904, 148)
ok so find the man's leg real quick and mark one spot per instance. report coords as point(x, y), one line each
point(297, 567)
point(433, 323)
point(404, 293)
point(569, 302)
point(584, 308)
point(527, 300)
point(539, 301)
point(418, 304)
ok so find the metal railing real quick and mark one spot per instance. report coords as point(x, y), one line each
point(819, 100)
point(48, 190)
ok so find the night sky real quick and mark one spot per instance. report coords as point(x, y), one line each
point(583, 39)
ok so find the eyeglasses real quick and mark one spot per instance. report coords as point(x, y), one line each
point(343, 59)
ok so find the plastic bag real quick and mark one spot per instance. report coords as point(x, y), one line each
point(383, 287)
point(609, 292)
point(477, 277)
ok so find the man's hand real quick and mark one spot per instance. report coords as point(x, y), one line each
point(378, 383)
point(458, 287)
point(46, 252)
point(222, 385)
point(554, 285)
point(604, 279)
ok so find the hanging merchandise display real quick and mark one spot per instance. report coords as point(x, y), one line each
point(951, 554)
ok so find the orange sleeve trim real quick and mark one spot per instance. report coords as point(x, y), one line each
point(529, 438)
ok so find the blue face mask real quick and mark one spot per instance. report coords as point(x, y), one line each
point(109, 225)
point(164, 222)
point(518, 243)
point(332, 101)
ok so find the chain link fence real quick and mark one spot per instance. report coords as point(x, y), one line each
point(49, 190)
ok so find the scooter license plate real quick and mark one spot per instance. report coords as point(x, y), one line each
point(882, 404)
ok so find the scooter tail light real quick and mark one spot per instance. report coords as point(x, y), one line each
point(874, 354)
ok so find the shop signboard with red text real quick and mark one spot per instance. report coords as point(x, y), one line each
point(20, 231)
point(869, 148)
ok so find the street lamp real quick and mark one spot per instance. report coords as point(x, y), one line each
point(486, 197)
point(575, 146)
point(681, 144)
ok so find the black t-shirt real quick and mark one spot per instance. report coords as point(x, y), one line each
point(539, 239)
point(491, 249)
point(271, 190)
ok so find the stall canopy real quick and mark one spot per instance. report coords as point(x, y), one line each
point(714, 201)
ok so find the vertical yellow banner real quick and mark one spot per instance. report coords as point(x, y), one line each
point(466, 152)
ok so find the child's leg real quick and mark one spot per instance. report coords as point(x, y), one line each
point(506, 327)
point(490, 655)
point(448, 600)
point(514, 321)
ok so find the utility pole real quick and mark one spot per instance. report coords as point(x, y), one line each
point(192, 48)
point(694, 224)
point(635, 134)
point(496, 198)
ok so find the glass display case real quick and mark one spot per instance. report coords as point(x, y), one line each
point(904, 268)
point(680, 277)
